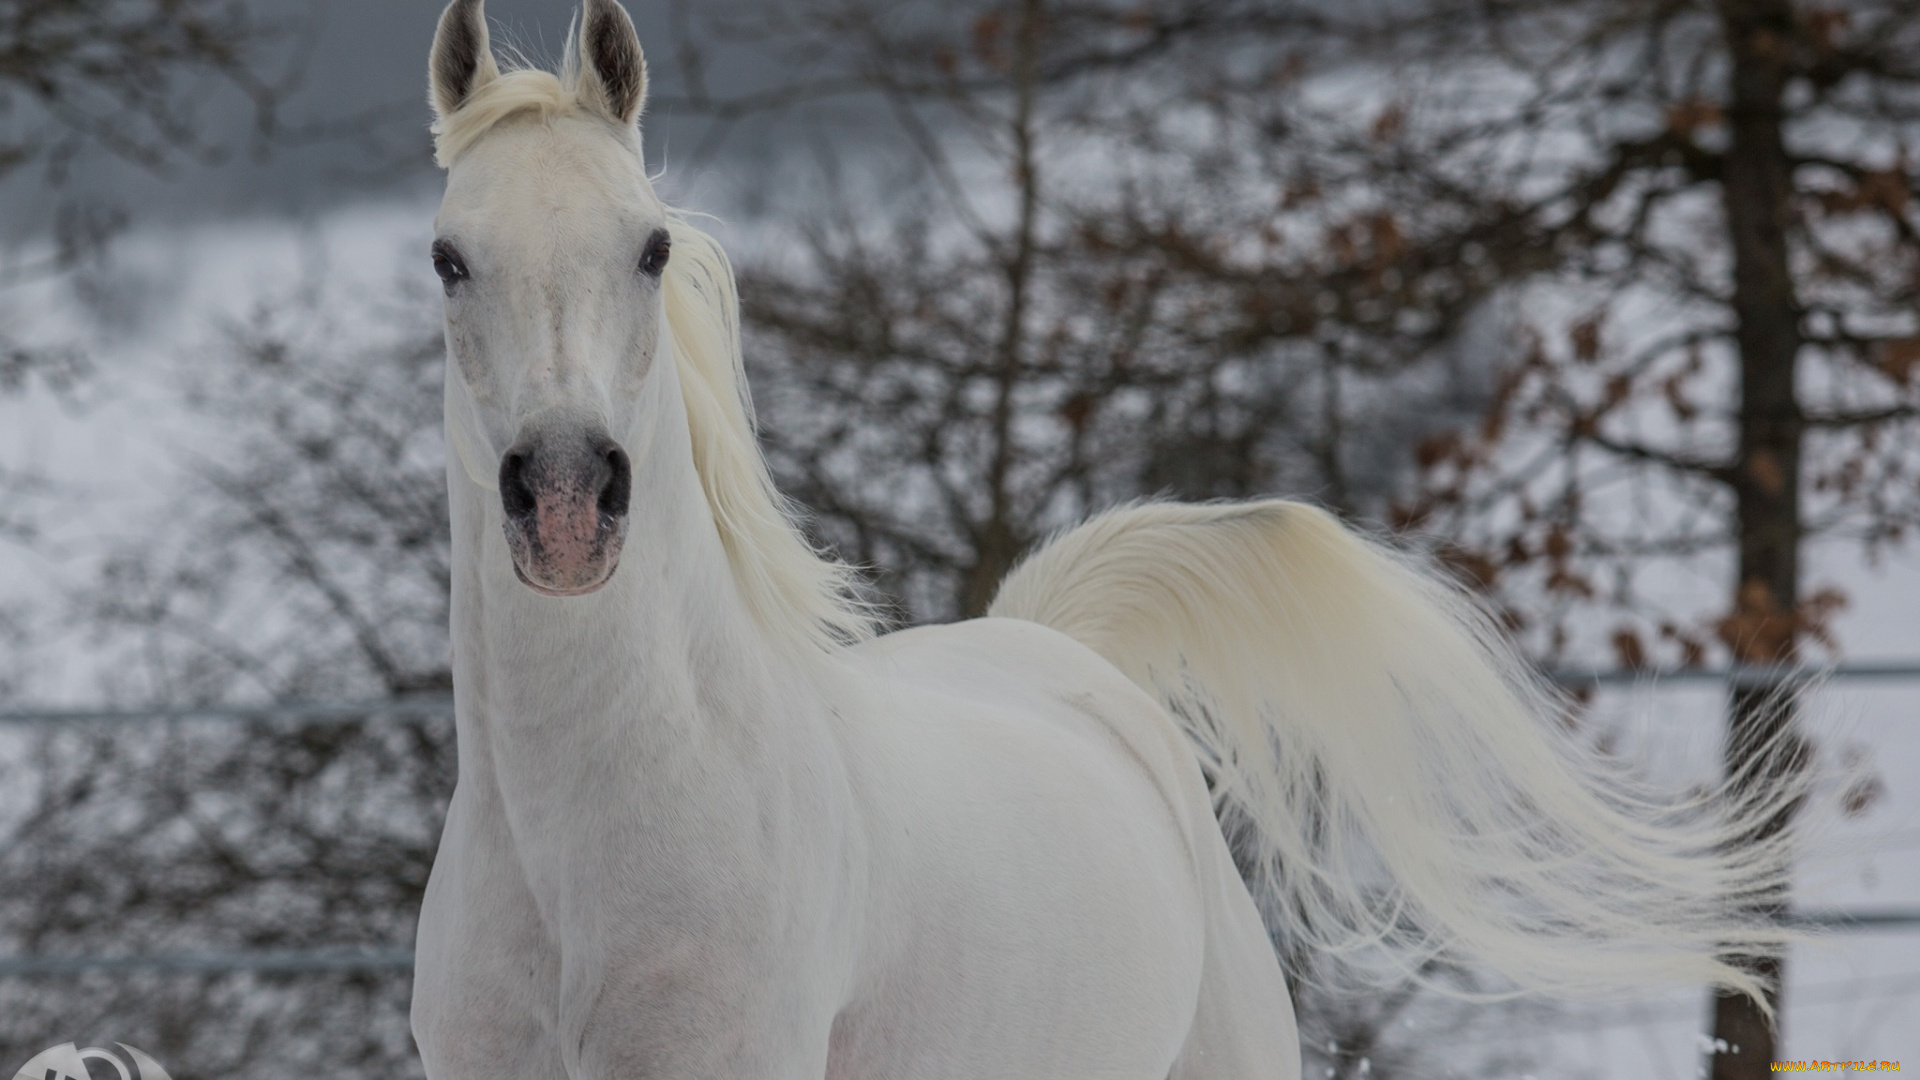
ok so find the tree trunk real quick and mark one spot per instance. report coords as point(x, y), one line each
point(1756, 194)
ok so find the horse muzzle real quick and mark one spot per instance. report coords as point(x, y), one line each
point(565, 499)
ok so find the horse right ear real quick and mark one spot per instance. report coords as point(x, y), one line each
point(462, 60)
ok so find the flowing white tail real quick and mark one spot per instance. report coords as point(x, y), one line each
point(1399, 764)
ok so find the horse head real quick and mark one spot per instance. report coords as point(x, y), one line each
point(551, 246)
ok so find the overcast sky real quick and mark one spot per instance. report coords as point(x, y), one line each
point(367, 55)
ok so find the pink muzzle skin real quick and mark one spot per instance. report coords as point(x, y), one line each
point(566, 512)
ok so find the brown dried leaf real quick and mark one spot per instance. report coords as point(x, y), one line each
point(1387, 239)
point(1898, 357)
point(1517, 553)
point(1758, 630)
point(1566, 581)
point(1471, 567)
point(1863, 786)
point(1686, 117)
point(1673, 389)
point(1628, 652)
point(1584, 336)
point(1816, 615)
point(1861, 794)
point(1388, 125)
point(1493, 425)
point(1559, 543)
point(986, 39)
point(1886, 189)
point(1438, 449)
point(1403, 517)
point(1693, 651)
point(1824, 26)
point(1764, 469)
point(1077, 410)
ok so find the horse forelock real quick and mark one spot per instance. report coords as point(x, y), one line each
point(524, 90)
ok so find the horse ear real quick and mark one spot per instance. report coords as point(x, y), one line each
point(613, 72)
point(462, 59)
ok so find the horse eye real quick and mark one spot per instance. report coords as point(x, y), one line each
point(446, 263)
point(654, 258)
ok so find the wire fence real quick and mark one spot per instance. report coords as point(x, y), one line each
point(276, 961)
point(304, 712)
point(438, 704)
point(423, 705)
point(1740, 675)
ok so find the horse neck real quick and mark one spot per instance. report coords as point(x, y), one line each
point(657, 673)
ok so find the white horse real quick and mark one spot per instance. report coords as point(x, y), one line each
point(707, 825)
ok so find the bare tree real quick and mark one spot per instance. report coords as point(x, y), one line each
point(1716, 354)
point(1200, 245)
point(1096, 261)
point(130, 79)
point(1110, 251)
point(308, 558)
point(1206, 246)
point(117, 74)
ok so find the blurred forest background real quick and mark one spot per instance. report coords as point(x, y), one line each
point(1609, 306)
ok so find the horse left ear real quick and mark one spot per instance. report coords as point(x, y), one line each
point(613, 72)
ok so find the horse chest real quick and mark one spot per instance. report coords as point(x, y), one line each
point(642, 965)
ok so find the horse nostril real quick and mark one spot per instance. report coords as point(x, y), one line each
point(516, 495)
point(619, 486)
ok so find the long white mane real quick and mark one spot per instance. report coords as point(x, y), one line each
point(791, 587)
point(798, 595)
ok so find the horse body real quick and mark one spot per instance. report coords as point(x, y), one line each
point(1052, 873)
point(704, 827)
point(701, 861)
